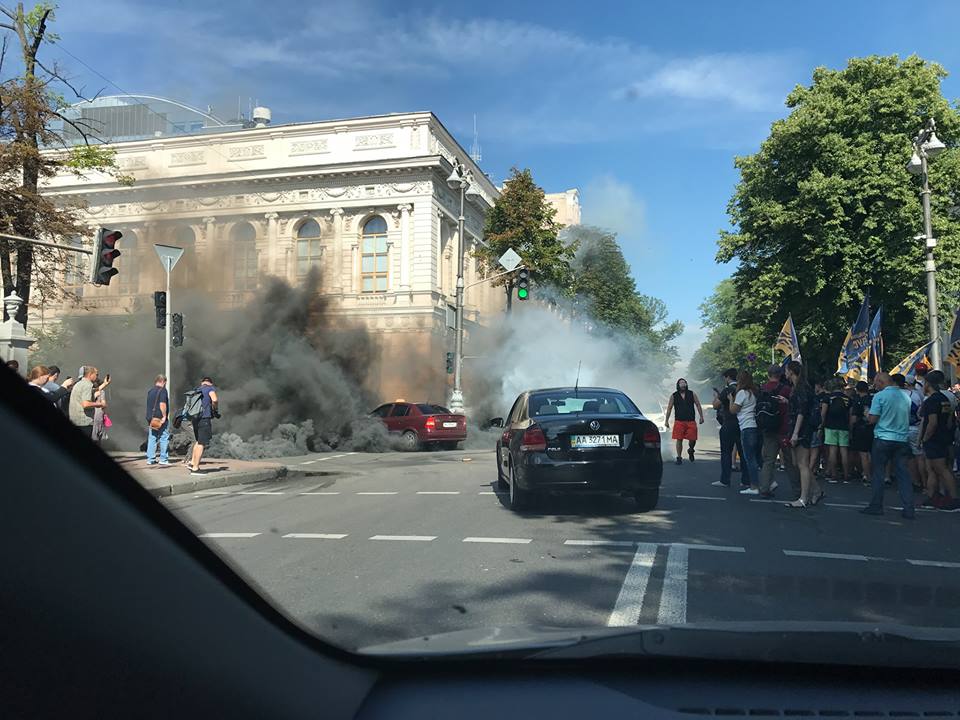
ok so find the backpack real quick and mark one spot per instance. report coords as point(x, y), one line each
point(769, 411)
point(192, 404)
point(838, 411)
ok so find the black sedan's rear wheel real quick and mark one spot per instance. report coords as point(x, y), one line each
point(647, 499)
point(519, 498)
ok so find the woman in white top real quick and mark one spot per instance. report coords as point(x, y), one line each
point(745, 406)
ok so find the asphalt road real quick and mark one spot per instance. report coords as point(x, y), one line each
point(402, 545)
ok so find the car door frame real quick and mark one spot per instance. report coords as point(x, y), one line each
point(515, 417)
point(402, 423)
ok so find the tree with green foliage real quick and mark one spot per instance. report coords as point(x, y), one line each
point(826, 212)
point(32, 151)
point(726, 344)
point(522, 219)
point(601, 280)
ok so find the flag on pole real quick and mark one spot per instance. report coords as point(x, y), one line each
point(856, 346)
point(907, 366)
point(953, 351)
point(787, 341)
point(876, 343)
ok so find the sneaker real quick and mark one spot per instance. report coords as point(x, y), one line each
point(163, 462)
point(690, 454)
point(717, 483)
point(750, 491)
point(151, 462)
point(774, 485)
point(952, 506)
point(831, 480)
point(679, 461)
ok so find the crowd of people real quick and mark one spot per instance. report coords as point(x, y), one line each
point(85, 402)
point(892, 430)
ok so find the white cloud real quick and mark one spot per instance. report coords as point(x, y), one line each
point(747, 81)
point(612, 204)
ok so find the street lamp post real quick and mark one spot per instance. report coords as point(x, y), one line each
point(928, 145)
point(460, 179)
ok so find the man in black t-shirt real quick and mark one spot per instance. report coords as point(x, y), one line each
point(936, 436)
point(861, 431)
point(835, 429)
point(729, 427)
point(158, 425)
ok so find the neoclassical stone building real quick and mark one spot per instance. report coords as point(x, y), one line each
point(364, 199)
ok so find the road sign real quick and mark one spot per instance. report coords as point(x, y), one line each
point(168, 255)
point(509, 260)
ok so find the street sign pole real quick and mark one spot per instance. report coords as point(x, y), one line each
point(168, 255)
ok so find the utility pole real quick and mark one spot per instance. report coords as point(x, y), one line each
point(168, 255)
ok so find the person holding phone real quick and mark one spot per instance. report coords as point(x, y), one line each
point(84, 403)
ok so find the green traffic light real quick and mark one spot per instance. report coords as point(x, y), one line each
point(522, 293)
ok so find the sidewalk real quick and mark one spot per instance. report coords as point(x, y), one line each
point(174, 479)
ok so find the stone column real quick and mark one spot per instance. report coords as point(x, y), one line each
point(438, 278)
point(15, 341)
point(210, 276)
point(405, 245)
point(272, 253)
point(336, 282)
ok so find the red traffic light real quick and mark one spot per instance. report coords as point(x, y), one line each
point(104, 253)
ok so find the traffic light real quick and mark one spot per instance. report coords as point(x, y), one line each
point(523, 284)
point(176, 330)
point(104, 253)
point(449, 363)
point(160, 305)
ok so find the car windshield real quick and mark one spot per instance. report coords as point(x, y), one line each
point(318, 275)
point(567, 402)
point(432, 409)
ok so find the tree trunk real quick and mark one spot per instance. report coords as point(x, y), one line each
point(508, 286)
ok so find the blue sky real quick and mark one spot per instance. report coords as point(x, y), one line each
point(641, 105)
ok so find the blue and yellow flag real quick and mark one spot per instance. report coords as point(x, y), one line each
point(909, 363)
point(876, 343)
point(856, 346)
point(787, 341)
point(953, 351)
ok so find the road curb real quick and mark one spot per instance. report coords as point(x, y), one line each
point(216, 480)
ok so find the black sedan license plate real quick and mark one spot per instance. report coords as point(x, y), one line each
point(594, 441)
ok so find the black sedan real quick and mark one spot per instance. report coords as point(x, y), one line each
point(578, 440)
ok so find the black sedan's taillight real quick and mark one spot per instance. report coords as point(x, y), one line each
point(533, 439)
point(651, 438)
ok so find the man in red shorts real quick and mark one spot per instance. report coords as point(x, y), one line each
point(684, 401)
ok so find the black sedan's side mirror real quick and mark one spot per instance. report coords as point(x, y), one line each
point(496, 422)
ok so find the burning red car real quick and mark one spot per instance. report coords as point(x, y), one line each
point(420, 424)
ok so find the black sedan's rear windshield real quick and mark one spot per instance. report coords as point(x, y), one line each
point(570, 403)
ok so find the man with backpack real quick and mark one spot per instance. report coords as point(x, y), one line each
point(729, 427)
point(200, 407)
point(772, 420)
point(835, 429)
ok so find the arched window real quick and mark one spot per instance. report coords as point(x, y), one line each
point(76, 265)
point(128, 264)
point(186, 238)
point(244, 241)
point(373, 262)
point(309, 250)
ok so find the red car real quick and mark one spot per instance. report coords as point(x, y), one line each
point(419, 424)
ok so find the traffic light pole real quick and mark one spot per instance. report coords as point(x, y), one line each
point(456, 397)
point(166, 335)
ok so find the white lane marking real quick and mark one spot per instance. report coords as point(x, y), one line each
point(201, 493)
point(626, 611)
point(933, 563)
point(252, 492)
point(716, 548)
point(845, 505)
point(592, 543)
point(673, 596)
point(378, 493)
point(309, 462)
point(229, 535)
point(698, 497)
point(324, 459)
point(490, 492)
point(319, 493)
point(316, 536)
point(508, 541)
point(825, 555)
point(412, 538)
point(438, 492)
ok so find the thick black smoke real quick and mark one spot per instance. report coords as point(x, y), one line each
point(289, 380)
